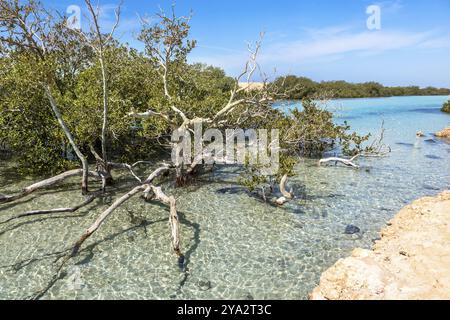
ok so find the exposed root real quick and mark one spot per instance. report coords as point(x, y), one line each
point(126, 167)
point(283, 190)
point(58, 275)
point(281, 201)
point(286, 195)
point(173, 218)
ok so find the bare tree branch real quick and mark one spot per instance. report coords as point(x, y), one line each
point(45, 184)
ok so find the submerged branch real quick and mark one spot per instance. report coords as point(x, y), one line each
point(103, 217)
point(88, 201)
point(173, 219)
point(141, 188)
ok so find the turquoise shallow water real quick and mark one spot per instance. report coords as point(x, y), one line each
point(236, 246)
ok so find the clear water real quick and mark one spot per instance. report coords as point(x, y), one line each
point(236, 246)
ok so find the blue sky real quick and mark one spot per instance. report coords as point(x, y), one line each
point(321, 39)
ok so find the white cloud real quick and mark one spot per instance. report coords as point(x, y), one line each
point(326, 32)
point(437, 43)
point(229, 61)
point(344, 43)
point(326, 45)
point(391, 7)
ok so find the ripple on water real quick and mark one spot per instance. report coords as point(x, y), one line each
point(236, 247)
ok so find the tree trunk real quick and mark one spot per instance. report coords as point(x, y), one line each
point(103, 168)
point(105, 111)
point(62, 123)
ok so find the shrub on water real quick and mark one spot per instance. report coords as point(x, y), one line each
point(446, 107)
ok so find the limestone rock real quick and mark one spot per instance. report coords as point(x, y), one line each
point(411, 261)
point(444, 133)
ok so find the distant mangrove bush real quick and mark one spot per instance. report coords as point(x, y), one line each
point(446, 107)
point(81, 100)
point(298, 88)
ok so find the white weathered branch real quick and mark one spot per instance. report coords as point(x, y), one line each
point(62, 123)
point(141, 188)
point(286, 195)
point(347, 162)
point(45, 184)
point(173, 218)
point(155, 174)
point(283, 190)
point(148, 114)
point(104, 216)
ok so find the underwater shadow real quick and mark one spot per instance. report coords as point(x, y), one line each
point(187, 255)
point(82, 212)
point(89, 250)
point(15, 203)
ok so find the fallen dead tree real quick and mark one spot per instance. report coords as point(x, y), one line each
point(376, 149)
point(150, 191)
point(165, 44)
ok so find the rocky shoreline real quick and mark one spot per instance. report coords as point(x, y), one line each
point(444, 133)
point(411, 261)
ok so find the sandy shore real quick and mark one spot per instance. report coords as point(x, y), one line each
point(249, 86)
point(411, 261)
